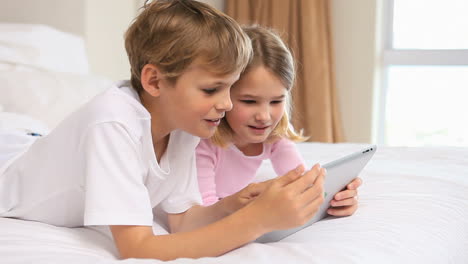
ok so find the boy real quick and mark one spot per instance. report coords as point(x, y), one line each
point(128, 154)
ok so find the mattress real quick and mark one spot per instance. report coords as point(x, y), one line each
point(413, 207)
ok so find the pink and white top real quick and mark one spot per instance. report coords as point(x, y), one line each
point(225, 171)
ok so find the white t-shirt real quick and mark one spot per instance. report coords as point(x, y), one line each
point(98, 167)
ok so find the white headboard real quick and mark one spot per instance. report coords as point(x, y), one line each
point(101, 23)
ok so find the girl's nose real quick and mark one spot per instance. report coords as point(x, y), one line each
point(263, 115)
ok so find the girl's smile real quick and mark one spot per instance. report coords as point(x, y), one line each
point(258, 100)
point(259, 130)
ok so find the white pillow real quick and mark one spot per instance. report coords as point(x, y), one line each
point(22, 123)
point(47, 96)
point(42, 47)
point(17, 133)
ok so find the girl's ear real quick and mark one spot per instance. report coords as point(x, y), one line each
point(151, 78)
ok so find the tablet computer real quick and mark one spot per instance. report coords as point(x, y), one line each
point(340, 172)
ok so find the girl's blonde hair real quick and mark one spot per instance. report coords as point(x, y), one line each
point(173, 34)
point(269, 51)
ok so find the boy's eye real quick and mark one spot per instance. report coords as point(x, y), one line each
point(248, 101)
point(209, 91)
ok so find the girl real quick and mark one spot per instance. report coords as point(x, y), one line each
point(257, 128)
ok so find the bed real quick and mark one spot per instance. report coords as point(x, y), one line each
point(413, 203)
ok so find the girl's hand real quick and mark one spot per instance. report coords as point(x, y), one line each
point(243, 197)
point(345, 203)
point(290, 200)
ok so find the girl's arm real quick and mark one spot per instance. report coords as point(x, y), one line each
point(206, 166)
point(285, 156)
point(214, 209)
point(287, 202)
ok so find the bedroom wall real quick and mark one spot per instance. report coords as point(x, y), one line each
point(354, 28)
point(104, 28)
point(102, 24)
point(105, 25)
point(219, 4)
point(65, 15)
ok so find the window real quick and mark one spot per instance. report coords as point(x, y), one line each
point(424, 100)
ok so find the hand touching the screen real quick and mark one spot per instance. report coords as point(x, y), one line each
point(243, 197)
point(290, 200)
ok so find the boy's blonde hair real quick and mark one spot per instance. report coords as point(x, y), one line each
point(270, 52)
point(173, 34)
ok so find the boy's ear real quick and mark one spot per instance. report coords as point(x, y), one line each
point(151, 78)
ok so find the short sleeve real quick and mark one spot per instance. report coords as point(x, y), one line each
point(115, 193)
point(285, 156)
point(206, 171)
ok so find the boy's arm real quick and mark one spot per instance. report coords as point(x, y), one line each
point(198, 216)
point(139, 241)
point(289, 201)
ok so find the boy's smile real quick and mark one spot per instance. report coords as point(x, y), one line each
point(196, 102)
point(214, 122)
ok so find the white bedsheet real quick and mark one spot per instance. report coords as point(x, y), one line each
point(413, 209)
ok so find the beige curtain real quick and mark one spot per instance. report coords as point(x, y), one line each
point(305, 27)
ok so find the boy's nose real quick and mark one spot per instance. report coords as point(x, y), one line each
point(225, 104)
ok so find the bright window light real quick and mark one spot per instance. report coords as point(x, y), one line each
point(430, 24)
point(427, 105)
point(425, 88)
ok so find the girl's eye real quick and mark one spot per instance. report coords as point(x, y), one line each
point(276, 102)
point(248, 101)
point(209, 91)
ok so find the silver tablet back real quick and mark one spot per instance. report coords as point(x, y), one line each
point(339, 173)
